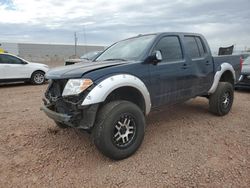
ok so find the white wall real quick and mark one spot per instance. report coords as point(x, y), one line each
point(10, 47)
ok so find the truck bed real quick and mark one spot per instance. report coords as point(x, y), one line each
point(234, 60)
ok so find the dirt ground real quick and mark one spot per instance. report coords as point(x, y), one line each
point(184, 146)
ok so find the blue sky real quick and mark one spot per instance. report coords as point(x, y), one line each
point(8, 3)
point(223, 22)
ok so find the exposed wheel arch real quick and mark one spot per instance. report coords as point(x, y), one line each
point(225, 74)
point(36, 71)
point(127, 93)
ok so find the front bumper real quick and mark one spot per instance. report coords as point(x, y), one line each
point(68, 110)
point(62, 118)
point(82, 117)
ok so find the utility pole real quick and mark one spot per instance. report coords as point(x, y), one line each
point(75, 42)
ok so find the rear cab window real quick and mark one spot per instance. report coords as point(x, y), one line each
point(194, 47)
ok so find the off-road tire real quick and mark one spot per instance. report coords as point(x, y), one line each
point(111, 115)
point(217, 101)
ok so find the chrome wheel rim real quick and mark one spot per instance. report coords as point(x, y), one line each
point(39, 78)
point(226, 99)
point(124, 131)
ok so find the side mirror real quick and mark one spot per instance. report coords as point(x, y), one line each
point(158, 55)
point(155, 58)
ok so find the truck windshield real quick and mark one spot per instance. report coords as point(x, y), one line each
point(130, 49)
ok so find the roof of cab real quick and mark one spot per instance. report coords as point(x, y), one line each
point(165, 33)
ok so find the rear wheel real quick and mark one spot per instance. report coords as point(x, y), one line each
point(38, 78)
point(220, 102)
point(119, 130)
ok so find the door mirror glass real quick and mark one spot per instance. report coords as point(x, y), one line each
point(158, 55)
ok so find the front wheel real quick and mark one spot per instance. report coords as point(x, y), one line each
point(38, 78)
point(119, 130)
point(220, 102)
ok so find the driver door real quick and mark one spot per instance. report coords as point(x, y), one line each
point(167, 77)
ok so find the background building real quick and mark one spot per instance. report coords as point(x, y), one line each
point(51, 54)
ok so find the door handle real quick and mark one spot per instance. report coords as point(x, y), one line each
point(208, 63)
point(185, 66)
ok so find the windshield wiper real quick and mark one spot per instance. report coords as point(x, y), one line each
point(114, 59)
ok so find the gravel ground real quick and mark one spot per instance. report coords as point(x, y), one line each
point(184, 146)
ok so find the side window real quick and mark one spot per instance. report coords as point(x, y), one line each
point(200, 46)
point(1, 61)
point(7, 59)
point(170, 48)
point(192, 47)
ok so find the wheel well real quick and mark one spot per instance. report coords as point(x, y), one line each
point(129, 94)
point(36, 71)
point(227, 76)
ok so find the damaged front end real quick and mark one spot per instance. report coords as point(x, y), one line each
point(68, 109)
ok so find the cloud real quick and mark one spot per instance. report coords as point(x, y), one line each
point(223, 22)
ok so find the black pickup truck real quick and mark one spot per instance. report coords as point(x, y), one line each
point(111, 96)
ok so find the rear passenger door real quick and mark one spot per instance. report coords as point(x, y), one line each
point(201, 64)
point(168, 76)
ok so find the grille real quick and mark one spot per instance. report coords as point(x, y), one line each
point(55, 89)
point(54, 95)
point(66, 105)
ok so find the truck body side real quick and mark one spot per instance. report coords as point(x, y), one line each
point(175, 81)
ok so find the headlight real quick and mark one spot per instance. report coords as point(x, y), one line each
point(76, 86)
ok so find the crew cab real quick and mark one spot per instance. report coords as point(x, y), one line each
point(15, 69)
point(111, 96)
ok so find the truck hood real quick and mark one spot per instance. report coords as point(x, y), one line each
point(77, 70)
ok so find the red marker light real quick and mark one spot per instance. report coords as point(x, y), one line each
point(241, 63)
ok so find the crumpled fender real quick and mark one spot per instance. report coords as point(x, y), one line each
point(100, 92)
